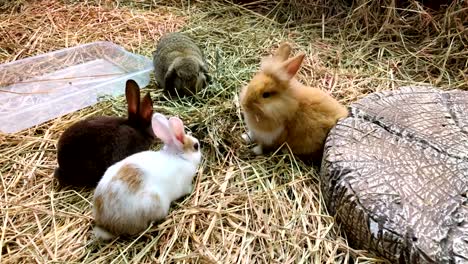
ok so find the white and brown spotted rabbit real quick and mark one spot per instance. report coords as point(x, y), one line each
point(139, 189)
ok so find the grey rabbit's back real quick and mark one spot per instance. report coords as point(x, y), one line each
point(172, 47)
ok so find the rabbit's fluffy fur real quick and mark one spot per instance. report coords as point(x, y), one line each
point(87, 148)
point(139, 189)
point(279, 109)
point(179, 65)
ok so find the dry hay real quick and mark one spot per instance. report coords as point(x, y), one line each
point(38, 27)
point(262, 209)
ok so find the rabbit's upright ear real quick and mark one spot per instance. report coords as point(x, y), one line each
point(146, 108)
point(161, 128)
point(292, 66)
point(177, 127)
point(132, 93)
point(283, 51)
point(171, 131)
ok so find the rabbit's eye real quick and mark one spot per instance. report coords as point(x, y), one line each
point(196, 146)
point(268, 94)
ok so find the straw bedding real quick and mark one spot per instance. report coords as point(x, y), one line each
point(244, 208)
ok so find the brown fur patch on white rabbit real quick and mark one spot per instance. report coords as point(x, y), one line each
point(98, 204)
point(112, 223)
point(131, 175)
point(190, 145)
point(132, 178)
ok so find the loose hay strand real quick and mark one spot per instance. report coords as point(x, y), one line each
point(243, 208)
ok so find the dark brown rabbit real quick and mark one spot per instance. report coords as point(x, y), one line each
point(87, 148)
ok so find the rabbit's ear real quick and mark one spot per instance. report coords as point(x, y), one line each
point(177, 127)
point(132, 93)
point(292, 65)
point(161, 128)
point(146, 108)
point(170, 77)
point(200, 83)
point(208, 79)
point(283, 51)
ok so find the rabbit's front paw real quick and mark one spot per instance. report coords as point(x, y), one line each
point(257, 150)
point(247, 137)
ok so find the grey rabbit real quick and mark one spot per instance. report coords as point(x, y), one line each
point(179, 65)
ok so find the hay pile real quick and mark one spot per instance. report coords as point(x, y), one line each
point(243, 208)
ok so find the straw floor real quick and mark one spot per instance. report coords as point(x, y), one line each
point(244, 209)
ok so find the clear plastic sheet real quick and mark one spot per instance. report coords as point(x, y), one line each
point(37, 89)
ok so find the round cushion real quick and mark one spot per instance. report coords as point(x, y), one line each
point(395, 175)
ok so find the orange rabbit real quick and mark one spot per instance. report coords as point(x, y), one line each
point(277, 108)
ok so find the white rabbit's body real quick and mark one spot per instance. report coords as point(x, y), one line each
point(140, 189)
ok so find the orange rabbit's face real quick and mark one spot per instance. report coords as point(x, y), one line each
point(268, 97)
point(265, 97)
point(259, 91)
